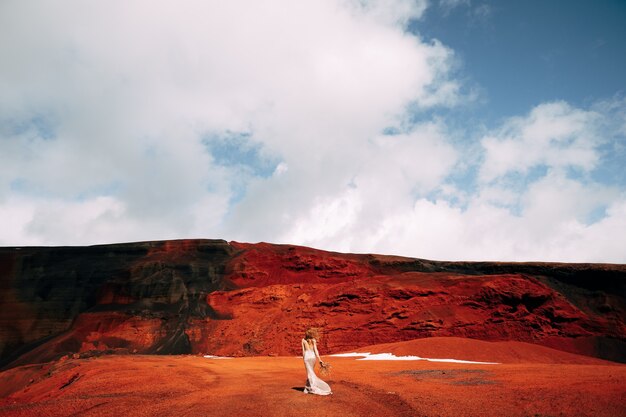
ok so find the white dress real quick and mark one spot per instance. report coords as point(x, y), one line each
point(314, 385)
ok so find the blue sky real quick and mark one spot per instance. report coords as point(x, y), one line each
point(442, 129)
point(527, 52)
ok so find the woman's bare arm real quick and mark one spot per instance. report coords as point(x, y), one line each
point(316, 352)
point(303, 347)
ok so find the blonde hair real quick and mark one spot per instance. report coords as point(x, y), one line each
point(310, 335)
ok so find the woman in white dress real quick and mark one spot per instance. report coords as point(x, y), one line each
point(314, 385)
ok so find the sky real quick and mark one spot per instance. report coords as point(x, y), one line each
point(438, 129)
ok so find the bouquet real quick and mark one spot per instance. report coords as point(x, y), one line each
point(325, 368)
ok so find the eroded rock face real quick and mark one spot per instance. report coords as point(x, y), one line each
point(134, 297)
point(208, 296)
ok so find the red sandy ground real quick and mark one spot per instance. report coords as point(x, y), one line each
point(531, 381)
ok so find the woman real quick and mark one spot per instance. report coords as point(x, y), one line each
point(314, 385)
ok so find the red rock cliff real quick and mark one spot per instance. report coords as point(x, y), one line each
point(209, 296)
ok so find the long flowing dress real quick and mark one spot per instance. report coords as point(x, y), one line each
point(314, 385)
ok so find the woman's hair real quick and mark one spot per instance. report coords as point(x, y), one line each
point(312, 333)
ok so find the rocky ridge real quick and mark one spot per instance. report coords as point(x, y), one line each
point(235, 299)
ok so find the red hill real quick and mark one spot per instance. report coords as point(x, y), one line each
point(203, 296)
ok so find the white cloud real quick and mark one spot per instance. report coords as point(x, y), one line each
point(551, 215)
point(392, 11)
point(107, 106)
point(379, 179)
point(15, 215)
point(45, 221)
point(438, 230)
point(126, 91)
point(555, 199)
point(553, 134)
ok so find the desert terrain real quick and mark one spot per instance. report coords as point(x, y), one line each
point(529, 380)
point(141, 329)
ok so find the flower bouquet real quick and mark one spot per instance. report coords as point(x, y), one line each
point(325, 368)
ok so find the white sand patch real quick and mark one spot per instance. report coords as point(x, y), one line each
point(461, 361)
point(367, 356)
point(217, 357)
point(389, 357)
point(349, 355)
